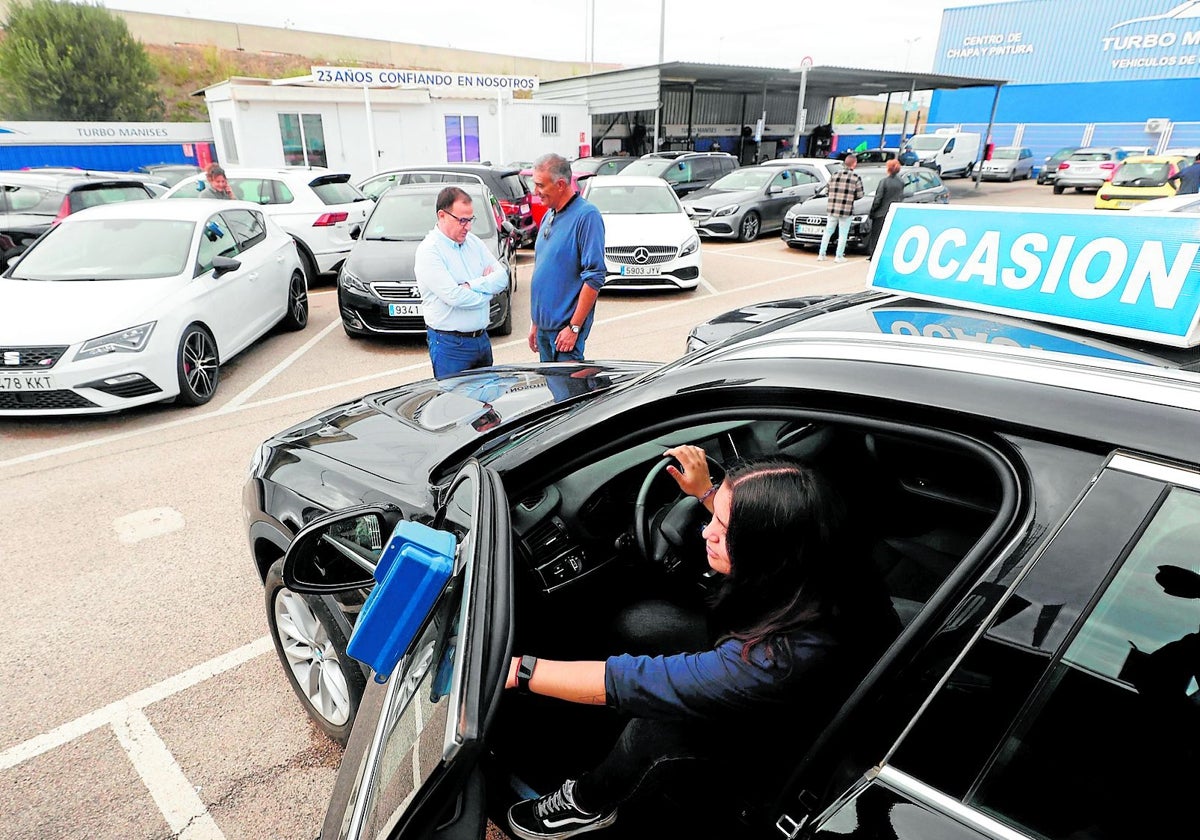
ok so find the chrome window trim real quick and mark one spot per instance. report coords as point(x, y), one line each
point(919, 792)
point(1167, 473)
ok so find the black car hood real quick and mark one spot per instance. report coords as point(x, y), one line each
point(403, 433)
point(373, 259)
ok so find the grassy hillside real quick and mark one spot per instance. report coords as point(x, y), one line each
point(183, 70)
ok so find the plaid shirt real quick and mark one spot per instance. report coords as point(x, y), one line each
point(844, 188)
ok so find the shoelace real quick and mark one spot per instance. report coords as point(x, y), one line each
point(555, 802)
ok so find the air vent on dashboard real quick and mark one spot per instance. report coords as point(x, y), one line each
point(547, 540)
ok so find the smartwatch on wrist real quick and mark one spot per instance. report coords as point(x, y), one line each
point(525, 673)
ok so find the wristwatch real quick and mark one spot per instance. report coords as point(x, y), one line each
point(525, 673)
point(575, 328)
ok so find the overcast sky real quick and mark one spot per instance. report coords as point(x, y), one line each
point(874, 33)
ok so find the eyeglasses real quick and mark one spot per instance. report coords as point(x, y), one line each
point(463, 221)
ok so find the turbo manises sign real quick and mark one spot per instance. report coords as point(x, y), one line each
point(1125, 274)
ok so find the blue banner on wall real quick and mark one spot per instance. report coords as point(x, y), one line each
point(1054, 41)
point(1132, 275)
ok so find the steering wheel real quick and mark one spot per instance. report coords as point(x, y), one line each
point(672, 532)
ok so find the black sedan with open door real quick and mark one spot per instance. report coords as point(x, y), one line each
point(1028, 494)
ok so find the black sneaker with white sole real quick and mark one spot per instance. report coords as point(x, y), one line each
point(555, 816)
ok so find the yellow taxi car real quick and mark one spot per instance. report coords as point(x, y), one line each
point(1138, 178)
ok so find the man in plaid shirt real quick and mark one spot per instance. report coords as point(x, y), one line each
point(844, 189)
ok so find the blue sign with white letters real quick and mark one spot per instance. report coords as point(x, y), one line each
point(1133, 275)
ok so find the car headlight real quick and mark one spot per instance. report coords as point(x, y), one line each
point(727, 210)
point(351, 281)
point(690, 247)
point(132, 340)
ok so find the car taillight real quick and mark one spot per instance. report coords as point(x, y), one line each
point(509, 208)
point(1110, 168)
point(330, 219)
point(1063, 165)
point(64, 210)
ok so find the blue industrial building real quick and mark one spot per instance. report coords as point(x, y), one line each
point(1103, 72)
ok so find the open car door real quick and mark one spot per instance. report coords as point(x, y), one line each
point(410, 766)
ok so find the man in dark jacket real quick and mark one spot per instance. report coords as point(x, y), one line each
point(889, 191)
point(1187, 179)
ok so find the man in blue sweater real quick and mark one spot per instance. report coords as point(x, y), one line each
point(1188, 179)
point(569, 265)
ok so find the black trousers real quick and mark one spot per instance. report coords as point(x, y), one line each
point(876, 229)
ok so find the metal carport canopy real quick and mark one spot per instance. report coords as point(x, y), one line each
point(634, 89)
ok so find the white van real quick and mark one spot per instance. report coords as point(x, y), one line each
point(946, 151)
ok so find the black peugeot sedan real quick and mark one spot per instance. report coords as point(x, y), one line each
point(377, 284)
point(1028, 492)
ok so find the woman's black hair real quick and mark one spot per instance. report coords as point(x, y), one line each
point(785, 526)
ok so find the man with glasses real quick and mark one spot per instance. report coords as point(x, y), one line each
point(457, 277)
point(569, 265)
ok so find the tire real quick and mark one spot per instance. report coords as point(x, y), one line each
point(197, 366)
point(795, 245)
point(312, 650)
point(750, 227)
point(505, 326)
point(1058, 190)
point(296, 316)
point(1079, 189)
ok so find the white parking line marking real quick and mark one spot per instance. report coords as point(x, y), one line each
point(709, 286)
point(144, 524)
point(266, 378)
point(197, 418)
point(138, 700)
point(169, 787)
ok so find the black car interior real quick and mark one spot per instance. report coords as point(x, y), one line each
point(600, 536)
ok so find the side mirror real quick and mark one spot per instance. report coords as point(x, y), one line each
point(508, 228)
point(774, 189)
point(338, 552)
point(355, 232)
point(224, 265)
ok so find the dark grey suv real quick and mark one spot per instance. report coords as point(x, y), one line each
point(504, 182)
point(686, 172)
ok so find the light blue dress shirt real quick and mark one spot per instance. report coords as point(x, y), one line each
point(442, 266)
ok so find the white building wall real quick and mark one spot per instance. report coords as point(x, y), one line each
point(408, 126)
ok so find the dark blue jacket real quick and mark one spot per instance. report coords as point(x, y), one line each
point(1189, 180)
point(717, 683)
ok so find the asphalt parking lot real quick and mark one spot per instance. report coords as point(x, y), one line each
point(142, 697)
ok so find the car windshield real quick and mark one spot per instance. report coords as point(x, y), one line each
point(648, 166)
point(874, 156)
point(109, 249)
point(927, 142)
point(406, 216)
point(1006, 154)
point(587, 165)
point(870, 179)
point(614, 200)
point(1141, 174)
point(747, 178)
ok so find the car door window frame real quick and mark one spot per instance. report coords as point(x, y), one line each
point(1158, 480)
point(231, 251)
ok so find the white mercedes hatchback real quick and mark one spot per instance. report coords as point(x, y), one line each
point(649, 240)
point(142, 301)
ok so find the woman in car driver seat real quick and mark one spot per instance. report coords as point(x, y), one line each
point(776, 538)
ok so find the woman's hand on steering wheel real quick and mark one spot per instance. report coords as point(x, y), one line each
point(694, 478)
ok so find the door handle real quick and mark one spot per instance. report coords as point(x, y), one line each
point(279, 258)
point(252, 276)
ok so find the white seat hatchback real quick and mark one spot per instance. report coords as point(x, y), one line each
point(137, 302)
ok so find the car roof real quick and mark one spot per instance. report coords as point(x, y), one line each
point(181, 209)
point(64, 181)
point(454, 167)
point(471, 188)
point(1153, 159)
point(1093, 149)
point(305, 174)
